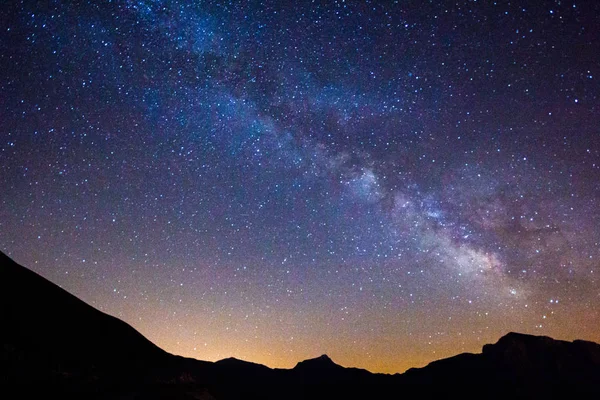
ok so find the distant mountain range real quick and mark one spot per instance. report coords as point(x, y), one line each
point(53, 345)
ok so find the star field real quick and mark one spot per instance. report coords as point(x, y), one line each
point(389, 183)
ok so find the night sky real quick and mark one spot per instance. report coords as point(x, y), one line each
point(389, 183)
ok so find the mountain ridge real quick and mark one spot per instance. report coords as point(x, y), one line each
point(46, 345)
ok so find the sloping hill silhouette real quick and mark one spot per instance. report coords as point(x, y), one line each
point(50, 337)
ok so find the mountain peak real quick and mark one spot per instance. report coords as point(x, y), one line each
point(236, 363)
point(230, 360)
point(513, 341)
point(521, 336)
point(324, 358)
point(320, 362)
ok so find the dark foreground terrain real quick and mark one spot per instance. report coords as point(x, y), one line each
point(53, 345)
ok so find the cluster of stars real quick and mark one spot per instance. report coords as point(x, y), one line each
point(385, 182)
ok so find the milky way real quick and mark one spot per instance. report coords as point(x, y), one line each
point(385, 182)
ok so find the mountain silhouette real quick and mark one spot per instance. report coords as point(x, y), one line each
point(55, 345)
point(518, 364)
point(320, 363)
point(51, 338)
